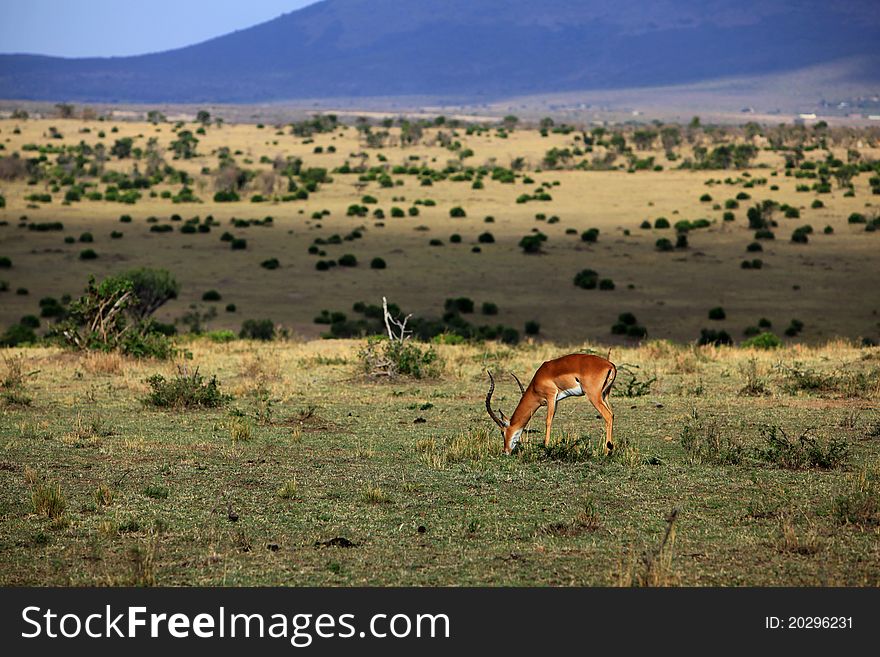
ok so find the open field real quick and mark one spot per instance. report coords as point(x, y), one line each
point(314, 473)
point(310, 452)
point(826, 283)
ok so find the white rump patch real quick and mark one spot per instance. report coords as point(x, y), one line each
point(577, 391)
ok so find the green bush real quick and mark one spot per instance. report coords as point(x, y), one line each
point(460, 304)
point(590, 235)
point(211, 295)
point(765, 340)
point(661, 222)
point(271, 263)
point(717, 313)
point(586, 279)
point(399, 357)
point(348, 260)
point(257, 329)
point(532, 243)
point(457, 211)
point(185, 390)
point(486, 238)
point(532, 328)
point(800, 453)
point(17, 335)
point(88, 254)
point(490, 308)
point(664, 244)
point(5, 262)
point(238, 244)
point(377, 263)
point(713, 337)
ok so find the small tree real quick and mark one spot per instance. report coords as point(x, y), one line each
point(185, 145)
point(203, 117)
point(65, 110)
point(122, 148)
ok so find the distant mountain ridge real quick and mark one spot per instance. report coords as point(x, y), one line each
point(468, 50)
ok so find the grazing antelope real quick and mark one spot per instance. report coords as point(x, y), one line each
point(574, 375)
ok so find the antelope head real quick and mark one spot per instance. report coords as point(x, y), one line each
point(509, 434)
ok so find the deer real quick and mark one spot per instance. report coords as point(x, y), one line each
point(574, 375)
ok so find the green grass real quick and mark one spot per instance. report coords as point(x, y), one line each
point(141, 495)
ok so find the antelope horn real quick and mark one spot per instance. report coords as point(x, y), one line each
point(522, 390)
point(489, 400)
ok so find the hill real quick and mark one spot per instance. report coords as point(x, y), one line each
point(465, 51)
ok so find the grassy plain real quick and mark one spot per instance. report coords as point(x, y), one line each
point(822, 283)
point(317, 475)
point(410, 472)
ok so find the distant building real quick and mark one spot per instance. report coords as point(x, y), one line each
point(807, 117)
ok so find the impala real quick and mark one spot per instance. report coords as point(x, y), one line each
point(574, 375)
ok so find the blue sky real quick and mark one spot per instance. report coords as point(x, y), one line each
point(104, 28)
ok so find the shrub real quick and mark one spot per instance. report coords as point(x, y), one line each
point(87, 238)
point(377, 263)
point(88, 254)
point(399, 357)
point(828, 230)
point(661, 222)
point(681, 241)
point(238, 244)
point(455, 238)
point(461, 305)
point(713, 337)
point(645, 225)
point(348, 260)
point(185, 390)
point(717, 313)
point(663, 244)
point(17, 335)
point(728, 216)
point(486, 238)
point(705, 442)
point(799, 236)
point(532, 328)
point(856, 218)
point(457, 211)
point(532, 243)
point(706, 198)
point(754, 247)
point(257, 329)
point(586, 279)
point(116, 235)
point(606, 284)
point(590, 235)
point(126, 219)
point(230, 308)
point(5, 262)
point(800, 453)
point(271, 263)
point(765, 340)
point(211, 295)
point(490, 308)
point(764, 234)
